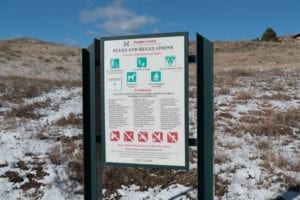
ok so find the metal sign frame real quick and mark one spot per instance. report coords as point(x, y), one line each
point(92, 129)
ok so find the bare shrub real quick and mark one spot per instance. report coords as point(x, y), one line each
point(250, 119)
point(40, 173)
point(280, 96)
point(31, 184)
point(221, 158)
point(41, 136)
point(26, 111)
point(263, 145)
point(192, 92)
point(221, 185)
point(270, 123)
point(277, 158)
point(281, 161)
point(59, 68)
point(223, 79)
point(29, 150)
point(72, 119)
point(243, 95)
point(48, 60)
point(295, 166)
point(225, 90)
point(226, 115)
point(242, 72)
point(55, 155)
point(22, 165)
point(75, 170)
point(5, 164)
point(13, 176)
point(267, 126)
point(292, 117)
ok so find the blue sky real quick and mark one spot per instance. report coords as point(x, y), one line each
point(77, 22)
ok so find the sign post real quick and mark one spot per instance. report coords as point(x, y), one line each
point(135, 107)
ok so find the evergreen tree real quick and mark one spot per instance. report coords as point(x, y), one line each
point(269, 35)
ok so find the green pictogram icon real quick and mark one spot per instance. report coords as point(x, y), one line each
point(115, 63)
point(131, 77)
point(156, 76)
point(141, 62)
point(170, 61)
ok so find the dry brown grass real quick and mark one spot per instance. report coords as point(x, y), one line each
point(263, 145)
point(274, 158)
point(22, 165)
point(75, 169)
point(31, 184)
point(14, 88)
point(72, 119)
point(225, 90)
point(39, 170)
point(12, 176)
point(28, 111)
point(254, 54)
point(270, 122)
point(55, 155)
point(277, 96)
point(40, 59)
point(67, 151)
point(114, 177)
point(221, 158)
point(268, 127)
point(243, 95)
point(225, 115)
point(221, 185)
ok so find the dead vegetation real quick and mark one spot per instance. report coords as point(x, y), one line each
point(16, 88)
point(13, 176)
point(27, 55)
point(71, 119)
point(115, 177)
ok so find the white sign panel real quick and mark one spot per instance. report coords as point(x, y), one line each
point(145, 100)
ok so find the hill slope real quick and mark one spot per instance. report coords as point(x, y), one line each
point(32, 58)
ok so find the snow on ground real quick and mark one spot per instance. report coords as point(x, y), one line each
point(172, 192)
point(257, 142)
point(25, 152)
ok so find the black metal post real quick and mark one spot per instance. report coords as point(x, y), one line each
point(91, 121)
point(204, 61)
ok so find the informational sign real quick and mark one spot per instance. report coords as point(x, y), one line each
point(145, 100)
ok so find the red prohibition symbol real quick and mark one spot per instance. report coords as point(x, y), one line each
point(128, 136)
point(143, 136)
point(115, 136)
point(157, 137)
point(172, 137)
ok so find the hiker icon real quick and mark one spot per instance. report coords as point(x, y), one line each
point(156, 76)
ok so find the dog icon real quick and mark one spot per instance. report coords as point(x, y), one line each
point(131, 77)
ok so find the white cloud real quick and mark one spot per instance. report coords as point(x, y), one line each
point(115, 18)
point(155, 30)
point(93, 33)
point(70, 42)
